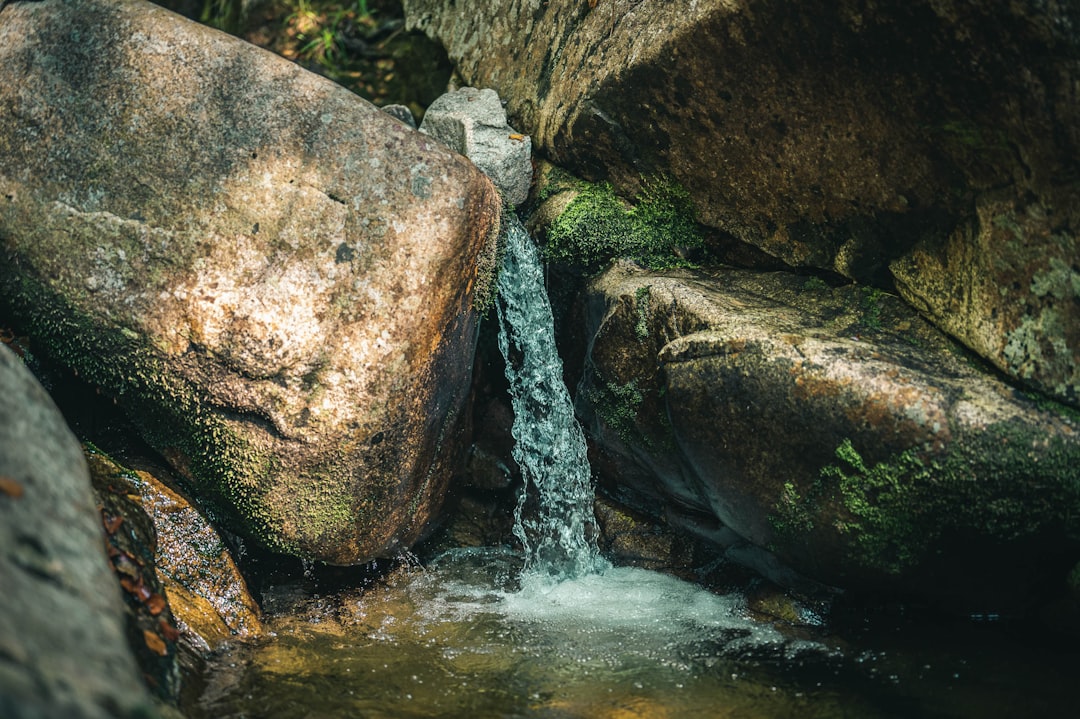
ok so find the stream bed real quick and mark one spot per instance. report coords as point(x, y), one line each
point(461, 637)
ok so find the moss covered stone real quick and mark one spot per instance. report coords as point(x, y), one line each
point(598, 227)
point(895, 510)
point(832, 426)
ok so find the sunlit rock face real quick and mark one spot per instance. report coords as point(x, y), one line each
point(839, 135)
point(63, 650)
point(275, 279)
point(832, 426)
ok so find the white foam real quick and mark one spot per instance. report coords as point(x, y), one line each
point(620, 611)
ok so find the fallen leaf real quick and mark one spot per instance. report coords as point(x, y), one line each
point(168, 630)
point(126, 566)
point(10, 487)
point(155, 643)
point(156, 604)
point(112, 524)
point(516, 136)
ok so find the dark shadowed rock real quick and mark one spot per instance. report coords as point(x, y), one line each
point(63, 652)
point(635, 540)
point(832, 426)
point(869, 138)
point(274, 276)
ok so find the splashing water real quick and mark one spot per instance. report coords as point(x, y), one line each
point(550, 446)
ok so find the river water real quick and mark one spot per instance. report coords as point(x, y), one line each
point(458, 638)
point(551, 629)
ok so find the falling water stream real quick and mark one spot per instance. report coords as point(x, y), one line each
point(549, 445)
point(551, 629)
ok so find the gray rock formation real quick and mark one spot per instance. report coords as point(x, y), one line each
point(1006, 283)
point(63, 651)
point(903, 137)
point(276, 278)
point(833, 427)
point(473, 122)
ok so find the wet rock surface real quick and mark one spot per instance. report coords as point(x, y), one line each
point(273, 275)
point(631, 539)
point(131, 544)
point(186, 558)
point(63, 650)
point(831, 426)
point(931, 143)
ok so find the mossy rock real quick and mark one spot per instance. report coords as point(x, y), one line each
point(833, 427)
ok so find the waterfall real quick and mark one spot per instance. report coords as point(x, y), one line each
point(555, 505)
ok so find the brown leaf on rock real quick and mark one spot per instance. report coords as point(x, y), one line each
point(156, 604)
point(137, 589)
point(155, 643)
point(170, 632)
point(10, 487)
point(112, 524)
point(127, 567)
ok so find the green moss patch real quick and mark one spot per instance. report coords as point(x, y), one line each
point(641, 303)
point(488, 265)
point(617, 405)
point(1005, 484)
point(598, 227)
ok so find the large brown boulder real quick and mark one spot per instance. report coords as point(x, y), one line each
point(832, 426)
point(274, 277)
point(63, 650)
point(837, 134)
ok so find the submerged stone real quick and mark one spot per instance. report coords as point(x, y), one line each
point(832, 426)
point(276, 278)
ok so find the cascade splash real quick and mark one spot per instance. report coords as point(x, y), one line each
point(549, 444)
